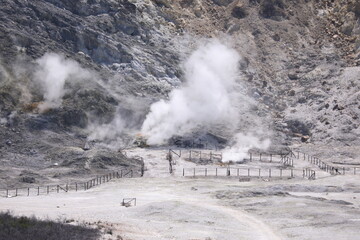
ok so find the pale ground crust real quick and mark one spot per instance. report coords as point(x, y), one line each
point(173, 207)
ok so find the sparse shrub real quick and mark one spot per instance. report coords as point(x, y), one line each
point(24, 228)
point(273, 9)
point(239, 12)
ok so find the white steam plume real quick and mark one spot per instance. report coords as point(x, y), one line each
point(204, 100)
point(242, 143)
point(54, 70)
point(111, 134)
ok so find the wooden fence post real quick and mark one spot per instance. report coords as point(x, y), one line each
point(183, 172)
point(292, 173)
point(248, 172)
point(38, 191)
point(259, 172)
point(28, 191)
point(16, 192)
point(269, 172)
point(216, 172)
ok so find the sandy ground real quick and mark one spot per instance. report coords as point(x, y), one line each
point(174, 207)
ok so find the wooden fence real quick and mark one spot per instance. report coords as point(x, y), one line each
point(245, 172)
point(285, 159)
point(333, 170)
point(77, 186)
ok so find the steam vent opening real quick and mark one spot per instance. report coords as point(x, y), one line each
point(139, 119)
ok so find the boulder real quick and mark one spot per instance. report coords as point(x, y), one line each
point(293, 76)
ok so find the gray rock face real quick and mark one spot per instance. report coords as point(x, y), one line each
point(302, 77)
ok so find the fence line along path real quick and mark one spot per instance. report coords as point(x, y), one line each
point(64, 188)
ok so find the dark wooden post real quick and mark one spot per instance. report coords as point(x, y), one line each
point(183, 172)
point(259, 172)
point(16, 192)
point(248, 172)
point(292, 173)
point(75, 187)
point(269, 172)
point(28, 191)
point(38, 191)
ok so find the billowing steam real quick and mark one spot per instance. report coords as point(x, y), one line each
point(242, 143)
point(109, 133)
point(52, 74)
point(204, 100)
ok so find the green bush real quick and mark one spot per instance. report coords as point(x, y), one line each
point(24, 228)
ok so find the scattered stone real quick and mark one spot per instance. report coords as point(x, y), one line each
point(86, 146)
point(338, 107)
point(28, 180)
point(305, 138)
point(292, 92)
point(293, 76)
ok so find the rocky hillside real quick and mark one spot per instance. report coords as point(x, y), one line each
point(299, 63)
